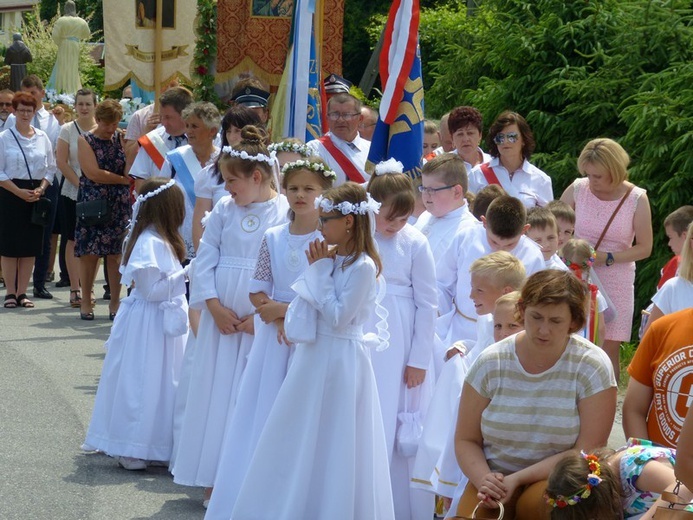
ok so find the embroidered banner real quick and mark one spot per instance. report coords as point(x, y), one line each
point(129, 27)
point(253, 36)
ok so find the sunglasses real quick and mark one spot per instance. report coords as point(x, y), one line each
point(322, 220)
point(511, 137)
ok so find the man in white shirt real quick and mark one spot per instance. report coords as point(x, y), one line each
point(342, 148)
point(171, 134)
point(6, 109)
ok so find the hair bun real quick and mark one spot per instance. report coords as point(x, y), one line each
point(251, 134)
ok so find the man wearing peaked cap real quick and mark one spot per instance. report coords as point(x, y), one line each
point(249, 93)
point(335, 84)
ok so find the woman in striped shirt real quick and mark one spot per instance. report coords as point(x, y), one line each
point(530, 398)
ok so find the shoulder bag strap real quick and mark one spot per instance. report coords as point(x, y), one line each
point(23, 154)
point(613, 215)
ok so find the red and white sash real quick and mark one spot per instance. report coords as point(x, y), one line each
point(352, 173)
point(155, 147)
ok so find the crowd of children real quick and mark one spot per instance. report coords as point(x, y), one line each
point(331, 332)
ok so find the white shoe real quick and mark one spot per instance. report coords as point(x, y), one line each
point(132, 464)
point(205, 503)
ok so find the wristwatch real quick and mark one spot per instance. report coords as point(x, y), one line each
point(609, 259)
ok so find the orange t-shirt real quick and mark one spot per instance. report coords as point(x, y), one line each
point(664, 362)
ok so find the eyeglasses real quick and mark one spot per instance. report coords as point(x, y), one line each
point(511, 137)
point(322, 220)
point(366, 125)
point(335, 116)
point(431, 191)
point(5, 104)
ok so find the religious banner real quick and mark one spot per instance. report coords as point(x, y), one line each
point(129, 34)
point(253, 37)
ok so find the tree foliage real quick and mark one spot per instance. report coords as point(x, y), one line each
point(91, 8)
point(580, 70)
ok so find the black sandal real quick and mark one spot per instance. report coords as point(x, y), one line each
point(75, 299)
point(10, 301)
point(25, 302)
point(86, 316)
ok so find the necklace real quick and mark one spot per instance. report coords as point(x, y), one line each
point(250, 223)
point(295, 252)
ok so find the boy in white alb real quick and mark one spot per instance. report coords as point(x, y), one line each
point(543, 229)
point(443, 188)
point(492, 276)
point(503, 229)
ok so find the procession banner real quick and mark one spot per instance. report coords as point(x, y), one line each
point(399, 130)
point(296, 110)
point(253, 37)
point(129, 34)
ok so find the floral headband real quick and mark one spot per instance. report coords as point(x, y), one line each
point(315, 167)
point(593, 480)
point(370, 205)
point(392, 165)
point(286, 146)
point(586, 265)
point(261, 157)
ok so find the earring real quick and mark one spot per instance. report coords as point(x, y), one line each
point(348, 230)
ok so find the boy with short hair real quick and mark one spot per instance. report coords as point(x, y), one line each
point(502, 228)
point(484, 197)
point(443, 188)
point(565, 218)
point(543, 229)
point(492, 276)
point(675, 227)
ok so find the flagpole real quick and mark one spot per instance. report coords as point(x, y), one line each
point(158, 45)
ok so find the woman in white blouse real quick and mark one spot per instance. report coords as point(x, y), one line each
point(26, 170)
point(511, 144)
point(68, 164)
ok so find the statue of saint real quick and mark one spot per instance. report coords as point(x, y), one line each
point(67, 33)
point(17, 56)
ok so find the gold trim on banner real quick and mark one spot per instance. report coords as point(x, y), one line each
point(148, 57)
point(248, 65)
point(115, 86)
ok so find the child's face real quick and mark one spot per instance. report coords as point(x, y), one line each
point(430, 143)
point(333, 227)
point(676, 241)
point(565, 231)
point(546, 238)
point(244, 190)
point(301, 191)
point(439, 202)
point(233, 135)
point(484, 293)
point(504, 323)
point(500, 244)
point(387, 226)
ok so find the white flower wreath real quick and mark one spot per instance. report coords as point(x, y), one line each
point(312, 166)
point(261, 157)
point(370, 205)
point(286, 146)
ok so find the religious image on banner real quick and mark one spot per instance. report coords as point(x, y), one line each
point(129, 36)
point(272, 7)
point(146, 14)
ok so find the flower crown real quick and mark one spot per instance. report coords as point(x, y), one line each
point(261, 157)
point(286, 146)
point(309, 165)
point(139, 201)
point(370, 205)
point(392, 165)
point(593, 480)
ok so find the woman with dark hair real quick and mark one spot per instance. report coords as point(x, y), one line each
point(68, 163)
point(102, 160)
point(26, 170)
point(530, 398)
point(511, 144)
point(466, 125)
point(209, 186)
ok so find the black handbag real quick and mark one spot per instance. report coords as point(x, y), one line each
point(94, 212)
point(41, 209)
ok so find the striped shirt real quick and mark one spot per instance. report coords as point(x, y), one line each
point(534, 416)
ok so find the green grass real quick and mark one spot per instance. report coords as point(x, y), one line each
point(627, 353)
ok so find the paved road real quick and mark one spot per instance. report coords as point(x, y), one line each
point(50, 362)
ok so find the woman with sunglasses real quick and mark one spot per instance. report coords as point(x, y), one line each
point(511, 143)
